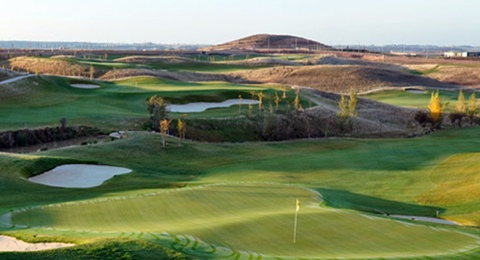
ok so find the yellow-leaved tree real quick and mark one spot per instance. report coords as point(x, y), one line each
point(164, 125)
point(348, 110)
point(435, 108)
point(472, 108)
point(181, 128)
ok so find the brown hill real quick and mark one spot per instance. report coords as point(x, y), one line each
point(267, 42)
point(340, 78)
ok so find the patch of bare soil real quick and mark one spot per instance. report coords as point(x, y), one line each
point(339, 78)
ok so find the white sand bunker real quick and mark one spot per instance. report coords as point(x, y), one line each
point(202, 106)
point(85, 86)
point(78, 175)
point(425, 219)
point(11, 244)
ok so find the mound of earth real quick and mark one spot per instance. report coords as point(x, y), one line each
point(263, 61)
point(154, 59)
point(179, 76)
point(375, 119)
point(467, 76)
point(269, 42)
point(48, 66)
point(339, 78)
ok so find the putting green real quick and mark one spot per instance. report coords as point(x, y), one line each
point(250, 219)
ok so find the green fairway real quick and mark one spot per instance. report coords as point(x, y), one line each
point(232, 200)
point(234, 190)
point(415, 100)
point(250, 217)
point(41, 101)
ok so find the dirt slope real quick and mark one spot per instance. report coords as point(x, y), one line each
point(466, 75)
point(375, 119)
point(339, 78)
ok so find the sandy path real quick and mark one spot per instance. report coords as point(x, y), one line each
point(11, 244)
point(78, 175)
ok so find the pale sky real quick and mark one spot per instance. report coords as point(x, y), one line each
point(333, 22)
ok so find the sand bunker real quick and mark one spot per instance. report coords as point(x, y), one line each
point(78, 175)
point(11, 244)
point(425, 219)
point(85, 86)
point(202, 106)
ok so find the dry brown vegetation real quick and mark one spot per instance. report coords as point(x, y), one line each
point(170, 75)
point(339, 78)
point(47, 66)
point(154, 59)
point(375, 119)
point(467, 75)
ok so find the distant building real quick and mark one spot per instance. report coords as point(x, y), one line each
point(406, 54)
point(460, 54)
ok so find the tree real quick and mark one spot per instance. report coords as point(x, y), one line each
point(181, 128)
point(435, 108)
point(92, 72)
point(296, 101)
point(352, 104)
point(240, 104)
point(260, 100)
point(158, 109)
point(63, 123)
point(472, 109)
point(457, 116)
point(348, 110)
point(276, 100)
point(461, 102)
point(164, 125)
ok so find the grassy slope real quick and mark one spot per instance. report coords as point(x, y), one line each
point(227, 214)
point(403, 171)
point(405, 98)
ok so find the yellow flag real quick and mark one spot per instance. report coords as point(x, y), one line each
point(298, 206)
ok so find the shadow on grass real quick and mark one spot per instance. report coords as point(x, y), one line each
point(348, 200)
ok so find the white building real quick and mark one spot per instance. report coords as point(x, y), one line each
point(460, 54)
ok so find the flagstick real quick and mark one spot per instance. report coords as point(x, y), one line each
point(295, 224)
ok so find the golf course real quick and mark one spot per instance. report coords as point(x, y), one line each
point(236, 186)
